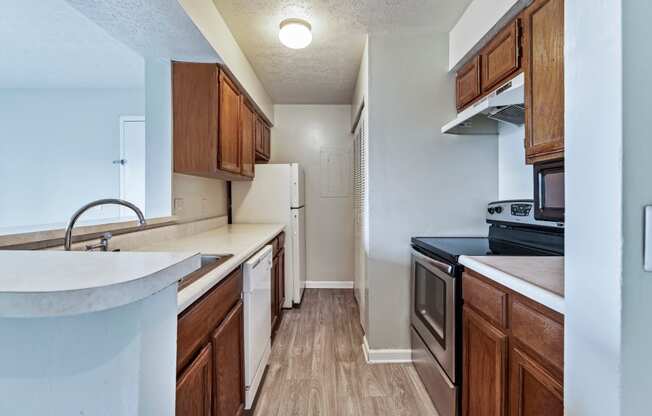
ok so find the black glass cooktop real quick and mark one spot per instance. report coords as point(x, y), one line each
point(451, 248)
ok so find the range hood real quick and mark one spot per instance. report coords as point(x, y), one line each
point(505, 104)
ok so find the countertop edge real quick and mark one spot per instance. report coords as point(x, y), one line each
point(527, 289)
point(50, 304)
point(190, 294)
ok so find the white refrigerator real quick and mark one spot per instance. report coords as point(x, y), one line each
point(276, 195)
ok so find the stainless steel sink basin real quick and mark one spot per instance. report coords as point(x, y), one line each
point(208, 259)
point(209, 262)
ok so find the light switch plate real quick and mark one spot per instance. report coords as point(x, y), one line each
point(647, 243)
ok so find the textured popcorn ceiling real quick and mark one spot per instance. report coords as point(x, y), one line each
point(325, 72)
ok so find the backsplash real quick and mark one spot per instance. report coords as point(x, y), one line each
point(514, 176)
point(126, 242)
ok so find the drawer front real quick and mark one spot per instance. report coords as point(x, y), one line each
point(541, 333)
point(484, 298)
point(200, 319)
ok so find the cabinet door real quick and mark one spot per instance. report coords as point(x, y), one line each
point(275, 293)
point(281, 280)
point(195, 118)
point(484, 355)
point(533, 391)
point(228, 358)
point(194, 387)
point(260, 148)
point(267, 141)
point(467, 85)
point(543, 25)
point(500, 58)
point(229, 138)
point(247, 130)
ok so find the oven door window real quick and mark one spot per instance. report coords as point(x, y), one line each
point(430, 302)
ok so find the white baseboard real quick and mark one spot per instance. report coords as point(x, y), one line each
point(319, 284)
point(385, 355)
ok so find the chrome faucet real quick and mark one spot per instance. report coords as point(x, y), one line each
point(105, 244)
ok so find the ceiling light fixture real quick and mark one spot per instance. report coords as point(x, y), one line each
point(295, 33)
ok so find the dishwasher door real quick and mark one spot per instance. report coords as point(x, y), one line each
point(257, 288)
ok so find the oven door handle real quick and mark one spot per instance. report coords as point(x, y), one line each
point(439, 265)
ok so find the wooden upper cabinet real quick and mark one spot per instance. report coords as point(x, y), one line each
point(214, 123)
point(467, 83)
point(263, 141)
point(248, 132)
point(260, 149)
point(228, 358)
point(501, 57)
point(543, 27)
point(533, 391)
point(484, 364)
point(195, 103)
point(230, 145)
point(267, 141)
point(195, 386)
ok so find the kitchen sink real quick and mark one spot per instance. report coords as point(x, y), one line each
point(209, 262)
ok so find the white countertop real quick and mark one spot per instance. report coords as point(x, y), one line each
point(240, 240)
point(538, 278)
point(58, 283)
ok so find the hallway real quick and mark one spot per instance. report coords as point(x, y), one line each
point(317, 366)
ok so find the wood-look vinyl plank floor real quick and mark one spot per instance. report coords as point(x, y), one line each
point(317, 367)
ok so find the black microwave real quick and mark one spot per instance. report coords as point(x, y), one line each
point(549, 191)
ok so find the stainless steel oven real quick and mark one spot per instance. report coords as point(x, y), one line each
point(434, 322)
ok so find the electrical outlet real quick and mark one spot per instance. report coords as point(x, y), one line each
point(204, 206)
point(178, 205)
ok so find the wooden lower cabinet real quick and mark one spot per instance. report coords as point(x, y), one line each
point(228, 359)
point(533, 391)
point(511, 367)
point(210, 353)
point(278, 281)
point(194, 386)
point(275, 290)
point(484, 365)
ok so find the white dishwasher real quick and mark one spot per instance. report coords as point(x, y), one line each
point(257, 288)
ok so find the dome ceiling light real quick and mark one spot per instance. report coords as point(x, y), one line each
point(295, 33)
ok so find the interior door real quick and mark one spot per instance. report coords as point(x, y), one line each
point(133, 153)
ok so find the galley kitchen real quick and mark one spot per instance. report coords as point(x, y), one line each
point(295, 207)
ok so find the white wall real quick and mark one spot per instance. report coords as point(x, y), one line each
point(299, 135)
point(187, 197)
point(212, 25)
point(58, 146)
point(477, 24)
point(361, 91)
point(594, 261)
point(515, 180)
point(421, 181)
point(120, 361)
point(636, 335)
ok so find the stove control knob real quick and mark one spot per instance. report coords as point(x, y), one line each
point(499, 210)
point(491, 211)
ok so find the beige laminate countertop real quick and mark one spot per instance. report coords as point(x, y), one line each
point(538, 278)
point(240, 240)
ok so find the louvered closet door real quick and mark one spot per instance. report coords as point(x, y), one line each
point(360, 210)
